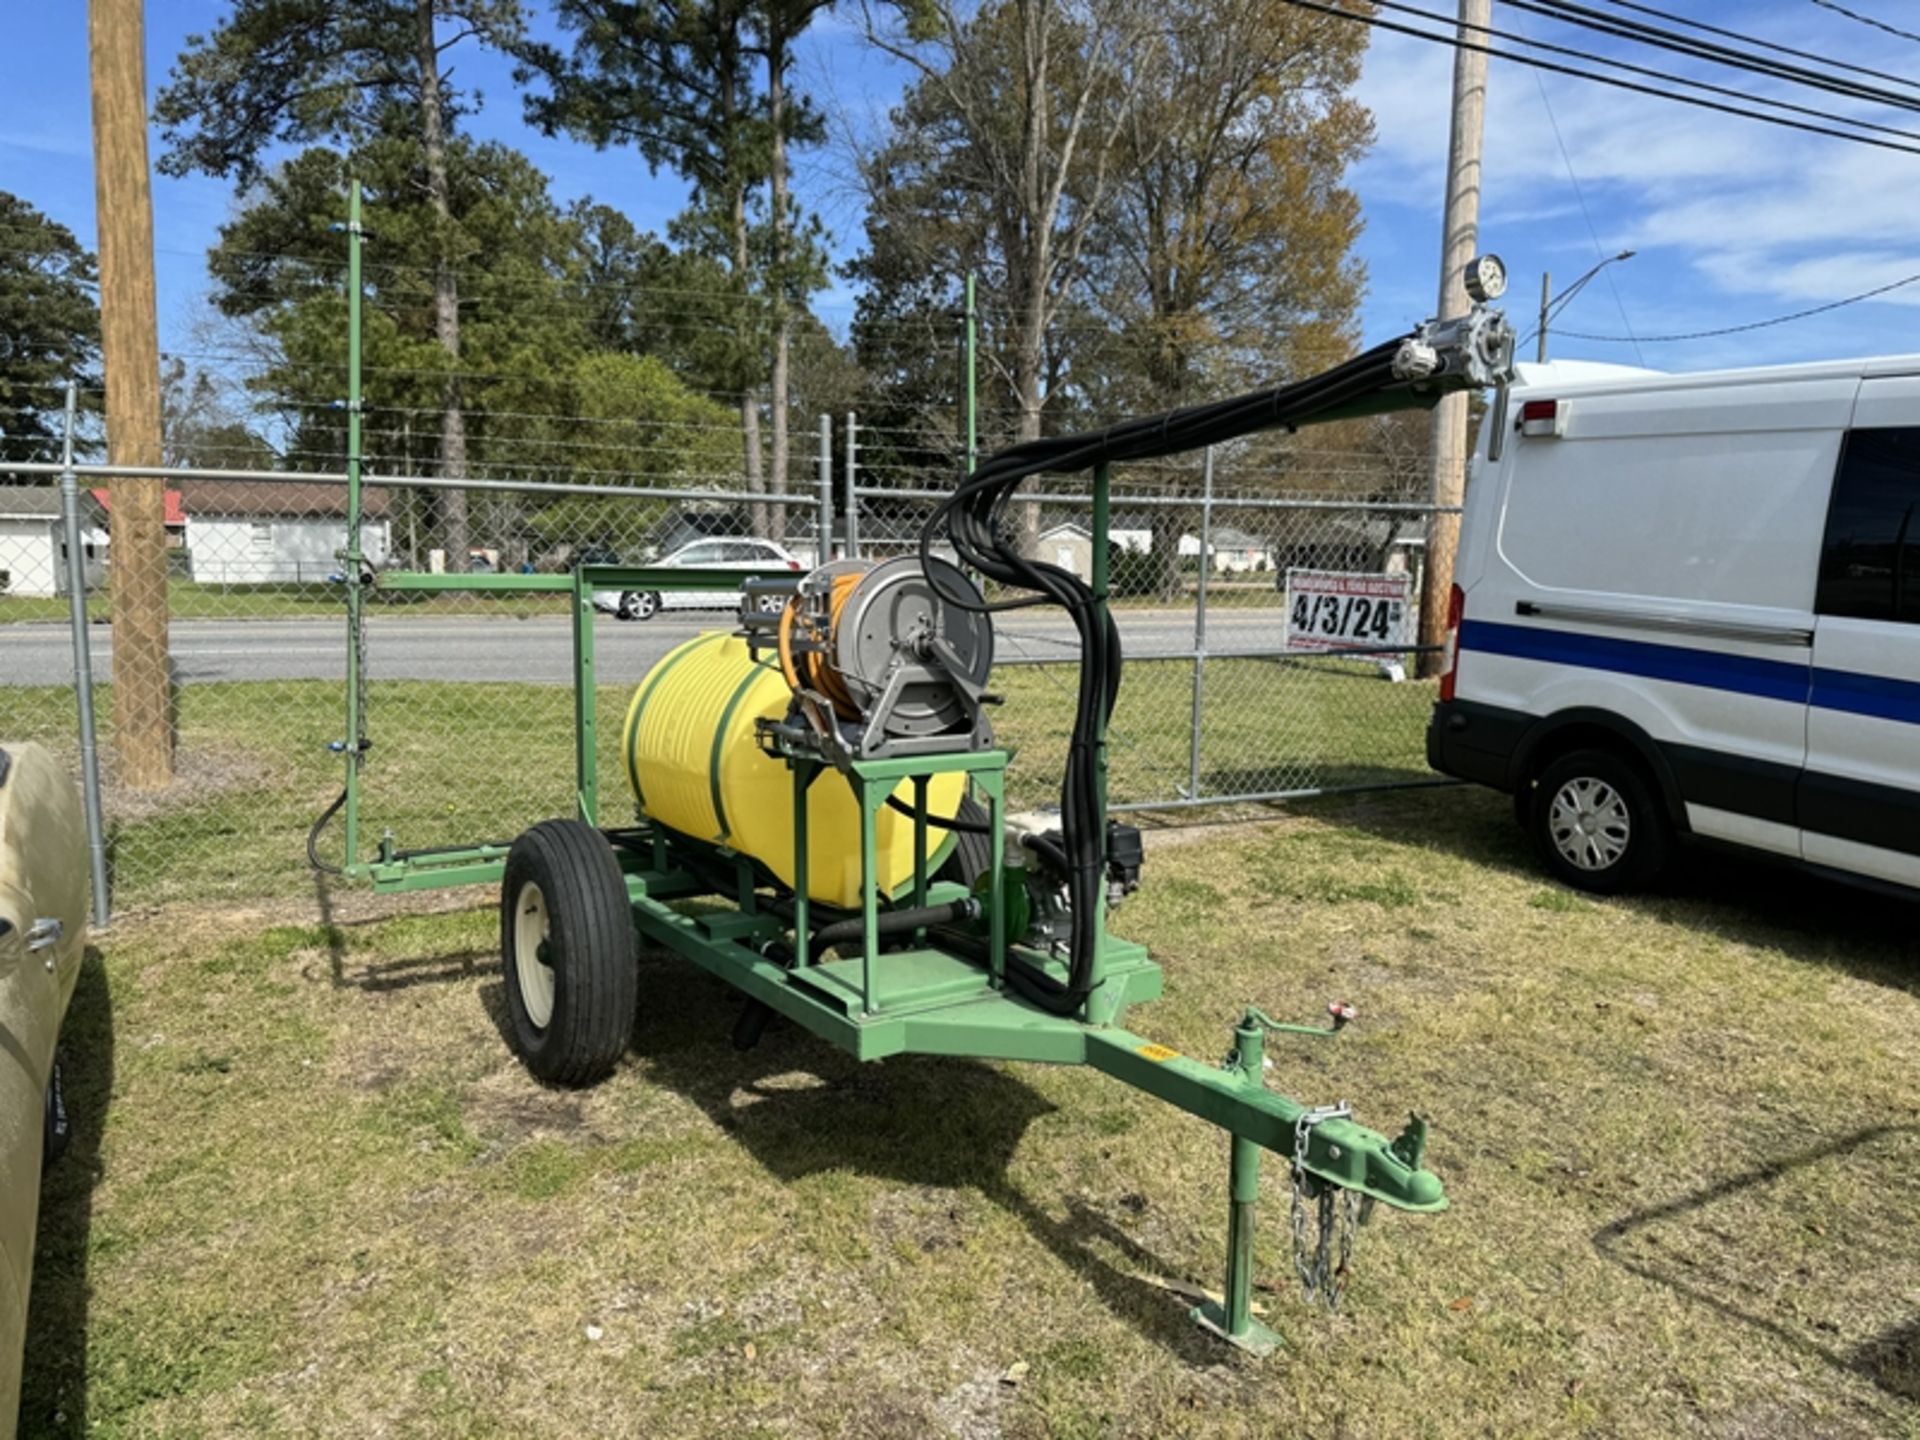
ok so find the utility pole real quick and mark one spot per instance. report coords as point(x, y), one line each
point(1546, 299)
point(1458, 241)
point(130, 356)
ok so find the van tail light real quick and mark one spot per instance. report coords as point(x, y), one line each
point(1543, 418)
point(1456, 607)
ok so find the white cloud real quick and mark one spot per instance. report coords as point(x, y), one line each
point(1731, 215)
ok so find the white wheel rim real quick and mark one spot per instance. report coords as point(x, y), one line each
point(1589, 824)
point(535, 975)
point(644, 606)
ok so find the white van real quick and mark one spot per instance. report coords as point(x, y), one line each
point(1689, 606)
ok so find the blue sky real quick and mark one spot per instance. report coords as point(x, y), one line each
point(1733, 221)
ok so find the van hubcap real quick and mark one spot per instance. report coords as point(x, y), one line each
point(1589, 824)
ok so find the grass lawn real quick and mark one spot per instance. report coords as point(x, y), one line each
point(459, 763)
point(313, 1193)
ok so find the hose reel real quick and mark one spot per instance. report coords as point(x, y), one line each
point(878, 664)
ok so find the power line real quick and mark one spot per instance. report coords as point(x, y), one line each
point(1756, 41)
point(1633, 69)
point(1696, 101)
point(1553, 123)
point(1866, 20)
point(1750, 325)
point(1571, 13)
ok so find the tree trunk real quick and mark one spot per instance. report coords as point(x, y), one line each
point(130, 348)
point(1028, 359)
point(742, 278)
point(1034, 253)
point(446, 291)
point(782, 321)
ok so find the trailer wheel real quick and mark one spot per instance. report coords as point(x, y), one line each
point(566, 936)
point(1597, 823)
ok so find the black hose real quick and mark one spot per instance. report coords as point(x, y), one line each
point(1048, 849)
point(894, 802)
point(972, 521)
point(313, 838)
point(890, 922)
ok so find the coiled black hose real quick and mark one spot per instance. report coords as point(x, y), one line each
point(971, 520)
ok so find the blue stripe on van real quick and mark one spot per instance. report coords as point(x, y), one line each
point(1878, 696)
point(1768, 679)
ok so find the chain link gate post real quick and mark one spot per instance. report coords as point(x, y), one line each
point(823, 526)
point(1200, 625)
point(852, 486)
point(83, 665)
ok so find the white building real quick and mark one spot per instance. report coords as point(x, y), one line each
point(244, 532)
point(33, 559)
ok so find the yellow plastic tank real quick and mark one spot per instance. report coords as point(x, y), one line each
point(695, 767)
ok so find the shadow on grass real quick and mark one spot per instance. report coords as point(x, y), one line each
point(382, 977)
point(1890, 1360)
point(54, 1397)
point(914, 1120)
point(1747, 898)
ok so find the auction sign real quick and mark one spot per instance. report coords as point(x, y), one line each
point(1341, 610)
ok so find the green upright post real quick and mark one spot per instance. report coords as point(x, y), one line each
point(994, 783)
point(1234, 1320)
point(969, 394)
point(920, 842)
point(803, 773)
point(586, 719)
point(354, 556)
point(869, 895)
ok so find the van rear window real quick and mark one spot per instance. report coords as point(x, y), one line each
point(1870, 560)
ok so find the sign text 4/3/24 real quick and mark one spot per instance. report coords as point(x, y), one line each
point(1333, 610)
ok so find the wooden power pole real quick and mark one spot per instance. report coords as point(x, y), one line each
point(130, 357)
point(1460, 233)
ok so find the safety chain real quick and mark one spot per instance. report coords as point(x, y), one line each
point(1336, 1215)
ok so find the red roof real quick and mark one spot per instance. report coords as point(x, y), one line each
point(176, 511)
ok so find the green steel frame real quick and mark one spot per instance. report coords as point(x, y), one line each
point(934, 996)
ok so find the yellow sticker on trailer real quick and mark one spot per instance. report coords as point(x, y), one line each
point(1158, 1053)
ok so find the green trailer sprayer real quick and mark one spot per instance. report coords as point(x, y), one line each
point(820, 819)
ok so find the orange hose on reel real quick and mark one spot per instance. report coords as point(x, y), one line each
point(810, 669)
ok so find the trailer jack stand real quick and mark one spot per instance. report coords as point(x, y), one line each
point(1232, 1320)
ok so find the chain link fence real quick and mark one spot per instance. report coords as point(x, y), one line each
point(1231, 694)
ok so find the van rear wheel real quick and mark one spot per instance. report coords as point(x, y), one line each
point(1598, 824)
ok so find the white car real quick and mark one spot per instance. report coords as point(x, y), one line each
point(729, 554)
point(1688, 607)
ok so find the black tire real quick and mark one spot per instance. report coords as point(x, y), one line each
point(972, 852)
point(59, 1124)
point(571, 1009)
point(624, 609)
point(1598, 824)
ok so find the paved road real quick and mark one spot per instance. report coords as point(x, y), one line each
point(535, 649)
